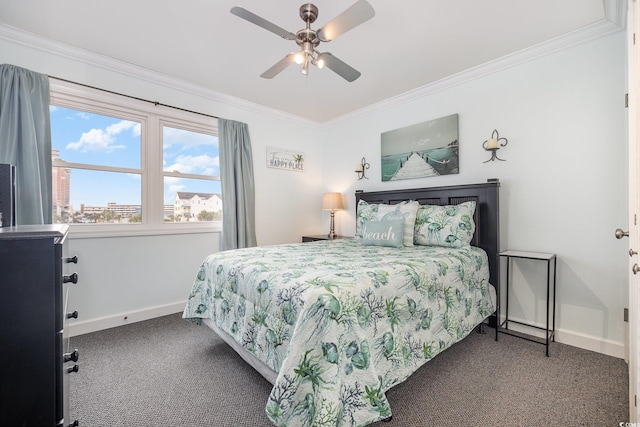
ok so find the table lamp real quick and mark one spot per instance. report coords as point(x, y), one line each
point(332, 202)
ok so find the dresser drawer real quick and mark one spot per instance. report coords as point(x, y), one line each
point(70, 355)
point(32, 342)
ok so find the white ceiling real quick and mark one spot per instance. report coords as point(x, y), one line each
point(407, 45)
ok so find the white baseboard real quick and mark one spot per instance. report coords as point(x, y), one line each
point(576, 339)
point(76, 328)
point(587, 342)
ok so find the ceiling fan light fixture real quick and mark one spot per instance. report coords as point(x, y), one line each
point(319, 61)
point(305, 65)
point(300, 57)
point(308, 39)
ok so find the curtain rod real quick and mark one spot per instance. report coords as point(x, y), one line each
point(134, 97)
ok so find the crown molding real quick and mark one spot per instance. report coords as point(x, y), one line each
point(45, 45)
point(616, 12)
point(616, 9)
point(615, 21)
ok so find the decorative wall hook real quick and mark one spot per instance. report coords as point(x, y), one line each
point(360, 168)
point(493, 144)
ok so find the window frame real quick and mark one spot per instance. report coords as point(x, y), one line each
point(185, 126)
point(152, 118)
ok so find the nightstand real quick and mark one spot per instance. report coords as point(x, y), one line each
point(315, 238)
point(550, 329)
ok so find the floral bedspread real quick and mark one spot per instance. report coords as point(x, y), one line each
point(341, 323)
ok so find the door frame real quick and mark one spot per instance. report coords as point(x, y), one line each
point(633, 81)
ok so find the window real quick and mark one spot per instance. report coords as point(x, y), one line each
point(122, 165)
point(97, 168)
point(190, 161)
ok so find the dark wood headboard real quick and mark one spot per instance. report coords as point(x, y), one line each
point(487, 215)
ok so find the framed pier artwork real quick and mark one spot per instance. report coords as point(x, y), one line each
point(422, 150)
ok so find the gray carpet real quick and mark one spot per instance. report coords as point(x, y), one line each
point(169, 372)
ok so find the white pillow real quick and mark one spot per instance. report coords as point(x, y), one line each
point(407, 210)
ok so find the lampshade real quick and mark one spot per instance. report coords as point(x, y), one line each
point(332, 202)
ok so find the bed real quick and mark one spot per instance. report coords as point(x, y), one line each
point(335, 324)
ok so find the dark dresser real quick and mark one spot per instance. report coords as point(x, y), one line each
point(36, 362)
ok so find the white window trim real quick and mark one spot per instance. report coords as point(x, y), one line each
point(152, 117)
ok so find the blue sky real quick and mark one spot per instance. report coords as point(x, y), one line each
point(95, 139)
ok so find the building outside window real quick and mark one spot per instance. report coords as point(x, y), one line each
point(126, 164)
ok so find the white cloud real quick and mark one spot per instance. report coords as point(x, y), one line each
point(123, 125)
point(175, 188)
point(186, 139)
point(103, 139)
point(172, 186)
point(203, 164)
point(94, 140)
point(172, 180)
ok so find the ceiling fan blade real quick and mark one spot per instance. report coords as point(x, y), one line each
point(359, 12)
point(261, 22)
point(339, 67)
point(279, 66)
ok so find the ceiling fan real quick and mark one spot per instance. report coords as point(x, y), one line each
point(308, 39)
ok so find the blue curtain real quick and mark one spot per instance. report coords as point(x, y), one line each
point(25, 140)
point(238, 188)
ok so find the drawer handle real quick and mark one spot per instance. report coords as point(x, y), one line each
point(73, 259)
point(74, 368)
point(73, 356)
point(73, 315)
point(73, 278)
point(620, 234)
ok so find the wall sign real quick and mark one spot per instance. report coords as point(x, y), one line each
point(280, 158)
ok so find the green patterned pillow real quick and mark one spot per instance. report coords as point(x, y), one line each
point(449, 226)
point(365, 212)
point(383, 233)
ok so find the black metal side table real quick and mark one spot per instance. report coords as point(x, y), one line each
point(550, 329)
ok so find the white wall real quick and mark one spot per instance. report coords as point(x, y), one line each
point(564, 181)
point(127, 279)
point(144, 276)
